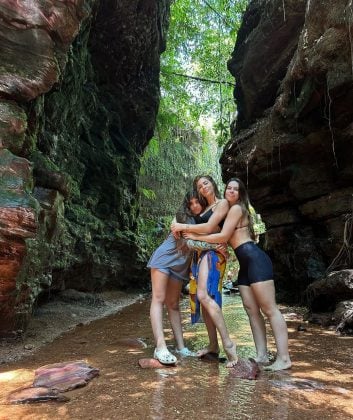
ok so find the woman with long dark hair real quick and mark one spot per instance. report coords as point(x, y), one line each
point(255, 277)
point(169, 266)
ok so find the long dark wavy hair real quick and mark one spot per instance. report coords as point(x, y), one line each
point(244, 203)
point(201, 199)
point(184, 211)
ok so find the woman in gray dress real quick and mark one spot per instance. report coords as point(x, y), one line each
point(170, 264)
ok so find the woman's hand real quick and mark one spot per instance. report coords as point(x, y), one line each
point(189, 235)
point(223, 249)
point(177, 227)
point(176, 235)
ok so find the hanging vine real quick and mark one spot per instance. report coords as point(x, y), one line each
point(344, 258)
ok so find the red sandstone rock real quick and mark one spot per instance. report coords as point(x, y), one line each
point(51, 380)
point(18, 221)
point(65, 376)
point(281, 92)
point(152, 364)
point(37, 34)
point(125, 42)
point(245, 369)
point(13, 125)
point(35, 395)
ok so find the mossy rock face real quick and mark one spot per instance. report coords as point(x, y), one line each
point(82, 124)
point(91, 131)
point(13, 125)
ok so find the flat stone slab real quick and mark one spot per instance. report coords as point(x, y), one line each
point(65, 376)
point(149, 363)
point(32, 395)
point(51, 380)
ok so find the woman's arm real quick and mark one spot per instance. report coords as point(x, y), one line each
point(195, 245)
point(175, 234)
point(218, 215)
point(233, 217)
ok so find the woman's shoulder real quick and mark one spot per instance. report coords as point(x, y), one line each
point(222, 203)
point(236, 209)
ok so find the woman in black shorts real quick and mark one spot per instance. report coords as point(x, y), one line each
point(255, 278)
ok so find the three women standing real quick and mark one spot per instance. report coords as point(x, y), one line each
point(224, 220)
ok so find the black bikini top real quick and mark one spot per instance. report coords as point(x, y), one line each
point(206, 217)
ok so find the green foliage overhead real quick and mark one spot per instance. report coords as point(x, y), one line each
point(201, 38)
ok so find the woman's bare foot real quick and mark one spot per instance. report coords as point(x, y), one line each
point(279, 364)
point(232, 356)
point(262, 360)
point(207, 350)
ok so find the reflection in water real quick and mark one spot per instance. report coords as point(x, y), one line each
point(240, 397)
point(206, 389)
point(237, 323)
point(157, 408)
point(292, 383)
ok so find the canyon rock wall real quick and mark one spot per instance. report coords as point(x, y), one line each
point(292, 141)
point(79, 94)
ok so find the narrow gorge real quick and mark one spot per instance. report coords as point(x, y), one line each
point(79, 96)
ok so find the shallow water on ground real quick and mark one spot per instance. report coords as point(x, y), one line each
point(319, 386)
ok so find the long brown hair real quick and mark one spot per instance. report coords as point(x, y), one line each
point(184, 210)
point(202, 199)
point(244, 203)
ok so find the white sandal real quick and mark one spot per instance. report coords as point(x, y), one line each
point(185, 352)
point(164, 356)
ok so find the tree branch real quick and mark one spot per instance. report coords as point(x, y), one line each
point(201, 79)
point(218, 14)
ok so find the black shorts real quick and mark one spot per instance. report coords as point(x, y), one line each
point(255, 264)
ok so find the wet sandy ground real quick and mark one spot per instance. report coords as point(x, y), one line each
point(62, 313)
point(193, 389)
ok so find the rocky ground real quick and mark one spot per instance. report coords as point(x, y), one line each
point(60, 314)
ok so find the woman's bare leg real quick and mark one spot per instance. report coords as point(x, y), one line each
point(159, 289)
point(264, 293)
point(257, 323)
point(172, 303)
point(213, 346)
point(215, 313)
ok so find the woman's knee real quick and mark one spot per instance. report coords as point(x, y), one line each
point(269, 310)
point(159, 296)
point(202, 296)
point(252, 309)
point(172, 304)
